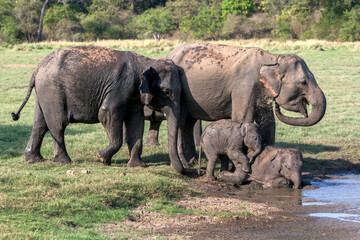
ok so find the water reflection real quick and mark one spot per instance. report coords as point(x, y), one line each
point(343, 190)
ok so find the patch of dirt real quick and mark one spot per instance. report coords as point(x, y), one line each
point(227, 211)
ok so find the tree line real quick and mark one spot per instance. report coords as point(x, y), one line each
point(84, 20)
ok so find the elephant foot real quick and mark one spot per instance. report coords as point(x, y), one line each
point(152, 142)
point(135, 162)
point(237, 178)
point(33, 158)
point(62, 159)
point(103, 159)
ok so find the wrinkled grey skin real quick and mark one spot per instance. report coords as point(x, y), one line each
point(226, 82)
point(275, 167)
point(94, 84)
point(155, 118)
point(233, 140)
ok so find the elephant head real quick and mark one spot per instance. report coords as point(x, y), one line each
point(288, 162)
point(292, 85)
point(160, 90)
point(252, 139)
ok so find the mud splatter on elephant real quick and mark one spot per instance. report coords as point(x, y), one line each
point(226, 82)
point(95, 84)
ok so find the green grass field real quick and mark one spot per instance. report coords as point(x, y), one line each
point(40, 201)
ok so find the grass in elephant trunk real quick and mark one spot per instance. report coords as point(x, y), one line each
point(42, 201)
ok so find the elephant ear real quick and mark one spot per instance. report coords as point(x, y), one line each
point(243, 129)
point(149, 80)
point(271, 78)
point(276, 161)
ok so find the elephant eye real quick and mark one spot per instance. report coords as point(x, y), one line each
point(303, 82)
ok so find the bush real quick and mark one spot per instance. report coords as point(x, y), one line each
point(207, 23)
point(350, 30)
point(257, 26)
point(9, 34)
point(154, 23)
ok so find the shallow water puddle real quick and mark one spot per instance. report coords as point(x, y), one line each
point(341, 194)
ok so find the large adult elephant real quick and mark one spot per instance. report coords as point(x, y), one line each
point(94, 84)
point(220, 81)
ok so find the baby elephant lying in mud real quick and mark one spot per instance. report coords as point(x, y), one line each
point(227, 138)
point(275, 167)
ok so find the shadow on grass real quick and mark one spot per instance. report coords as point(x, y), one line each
point(310, 148)
point(330, 166)
point(14, 138)
point(153, 160)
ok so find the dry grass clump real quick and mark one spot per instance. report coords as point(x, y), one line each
point(164, 45)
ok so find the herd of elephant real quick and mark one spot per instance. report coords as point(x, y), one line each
point(90, 84)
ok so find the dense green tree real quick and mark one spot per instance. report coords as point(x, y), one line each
point(27, 13)
point(140, 6)
point(155, 23)
point(20, 20)
point(350, 30)
point(183, 9)
point(9, 33)
point(238, 7)
point(60, 22)
point(207, 23)
point(107, 19)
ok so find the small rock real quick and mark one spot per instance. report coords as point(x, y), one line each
point(85, 171)
point(70, 173)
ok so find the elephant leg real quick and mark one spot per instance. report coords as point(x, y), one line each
point(57, 122)
point(237, 158)
point(212, 157)
point(32, 151)
point(266, 121)
point(153, 134)
point(197, 132)
point(188, 140)
point(224, 163)
point(111, 116)
point(237, 177)
point(135, 130)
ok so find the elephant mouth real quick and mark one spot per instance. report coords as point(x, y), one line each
point(298, 105)
point(303, 107)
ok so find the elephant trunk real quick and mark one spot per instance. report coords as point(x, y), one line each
point(296, 179)
point(318, 102)
point(173, 124)
point(256, 153)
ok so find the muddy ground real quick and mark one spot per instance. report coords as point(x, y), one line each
point(227, 211)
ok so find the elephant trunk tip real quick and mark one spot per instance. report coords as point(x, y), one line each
point(15, 116)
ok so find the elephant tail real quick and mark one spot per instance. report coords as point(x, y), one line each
point(16, 115)
point(199, 159)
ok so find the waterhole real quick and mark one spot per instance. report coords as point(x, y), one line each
point(341, 194)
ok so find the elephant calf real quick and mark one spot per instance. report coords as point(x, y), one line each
point(275, 167)
point(233, 140)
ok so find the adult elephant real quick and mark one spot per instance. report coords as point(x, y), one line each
point(94, 84)
point(220, 81)
point(155, 118)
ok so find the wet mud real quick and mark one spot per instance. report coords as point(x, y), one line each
point(292, 219)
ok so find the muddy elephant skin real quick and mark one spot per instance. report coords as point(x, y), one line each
point(233, 140)
point(276, 166)
point(94, 84)
point(226, 82)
